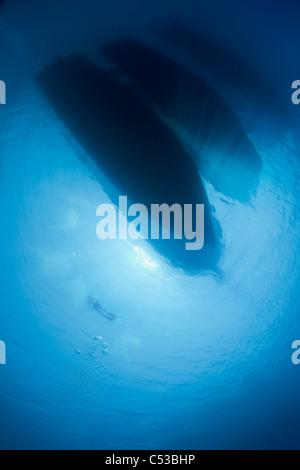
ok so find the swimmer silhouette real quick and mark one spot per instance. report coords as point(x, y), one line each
point(95, 305)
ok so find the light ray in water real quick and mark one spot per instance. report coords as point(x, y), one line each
point(146, 259)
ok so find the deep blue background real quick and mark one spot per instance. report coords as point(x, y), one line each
point(195, 362)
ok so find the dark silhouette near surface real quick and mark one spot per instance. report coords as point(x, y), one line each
point(136, 150)
point(223, 64)
point(226, 157)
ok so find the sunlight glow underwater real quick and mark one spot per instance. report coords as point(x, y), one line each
point(189, 361)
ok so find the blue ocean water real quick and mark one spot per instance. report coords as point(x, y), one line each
point(191, 361)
